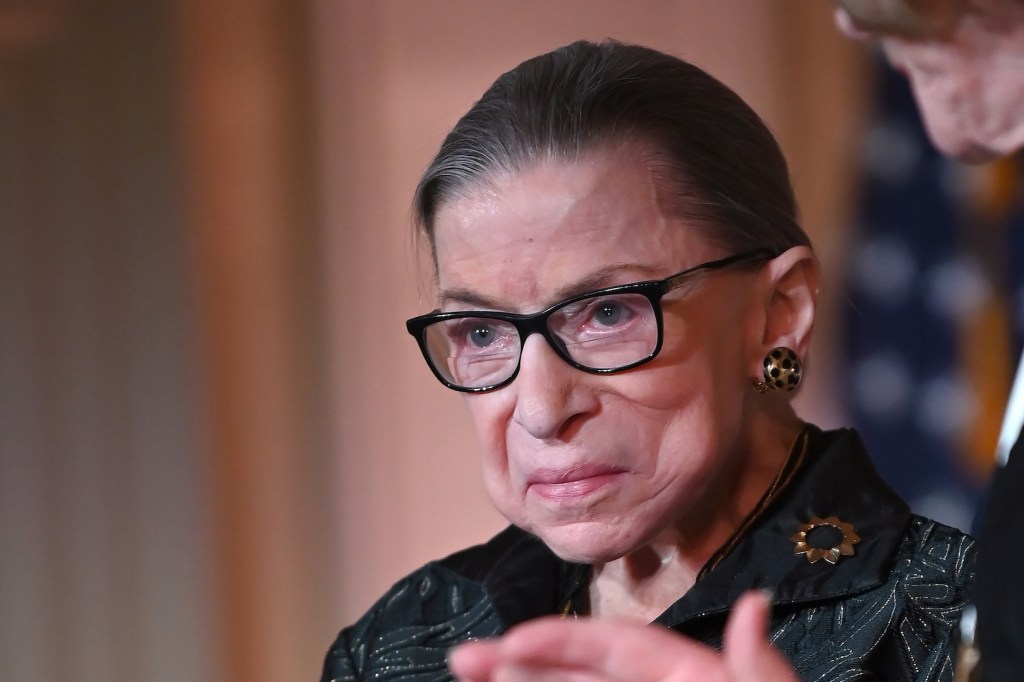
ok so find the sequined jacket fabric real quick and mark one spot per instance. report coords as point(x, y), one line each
point(886, 612)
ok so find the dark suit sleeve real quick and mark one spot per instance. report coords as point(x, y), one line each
point(999, 592)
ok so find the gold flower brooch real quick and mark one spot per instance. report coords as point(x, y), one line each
point(827, 538)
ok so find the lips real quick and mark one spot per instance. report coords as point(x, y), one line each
point(571, 483)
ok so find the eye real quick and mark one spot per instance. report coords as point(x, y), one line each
point(480, 335)
point(601, 316)
point(609, 313)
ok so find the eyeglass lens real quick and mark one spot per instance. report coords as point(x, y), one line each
point(601, 332)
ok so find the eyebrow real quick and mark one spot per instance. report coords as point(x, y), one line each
point(600, 279)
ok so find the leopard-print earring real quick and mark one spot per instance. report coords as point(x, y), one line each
point(782, 371)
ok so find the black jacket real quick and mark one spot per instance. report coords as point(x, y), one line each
point(998, 593)
point(886, 612)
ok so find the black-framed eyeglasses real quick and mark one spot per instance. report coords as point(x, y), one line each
point(600, 332)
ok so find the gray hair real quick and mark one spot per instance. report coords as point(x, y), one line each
point(720, 164)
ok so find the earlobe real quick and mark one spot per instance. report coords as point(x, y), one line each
point(791, 300)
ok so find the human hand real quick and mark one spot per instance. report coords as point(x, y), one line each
point(613, 650)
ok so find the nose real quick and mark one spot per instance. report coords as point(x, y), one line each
point(549, 394)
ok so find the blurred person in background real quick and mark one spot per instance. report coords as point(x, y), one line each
point(625, 297)
point(965, 63)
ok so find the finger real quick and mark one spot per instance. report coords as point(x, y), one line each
point(746, 633)
point(619, 650)
point(748, 653)
point(519, 673)
point(474, 661)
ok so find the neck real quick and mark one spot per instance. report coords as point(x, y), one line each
point(645, 582)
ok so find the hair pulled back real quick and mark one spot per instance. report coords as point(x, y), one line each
point(717, 162)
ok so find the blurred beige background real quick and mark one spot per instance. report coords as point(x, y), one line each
point(217, 443)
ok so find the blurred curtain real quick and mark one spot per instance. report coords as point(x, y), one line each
point(162, 497)
point(105, 562)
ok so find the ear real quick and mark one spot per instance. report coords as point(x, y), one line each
point(790, 301)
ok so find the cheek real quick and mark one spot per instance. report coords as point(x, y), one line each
point(491, 414)
point(698, 413)
point(675, 412)
point(694, 395)
point(698, 362)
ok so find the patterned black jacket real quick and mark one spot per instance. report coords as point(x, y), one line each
point(887, 612)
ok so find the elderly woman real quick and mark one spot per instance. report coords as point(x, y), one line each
point(624, 298)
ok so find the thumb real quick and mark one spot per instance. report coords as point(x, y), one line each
point(748, 654)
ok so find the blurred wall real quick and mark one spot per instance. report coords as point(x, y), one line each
point(104, 571)
point(254, 250)
point(160, 454)
point(217, 443)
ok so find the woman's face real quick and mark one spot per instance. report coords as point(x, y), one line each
point(600, 465)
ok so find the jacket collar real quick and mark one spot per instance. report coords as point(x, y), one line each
point(837, 479)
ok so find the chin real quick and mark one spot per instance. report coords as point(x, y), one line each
point(587, 543)
point(974, 153)
point(980, 144)
point(964, 149)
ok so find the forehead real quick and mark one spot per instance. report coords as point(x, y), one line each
point(519, 237)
